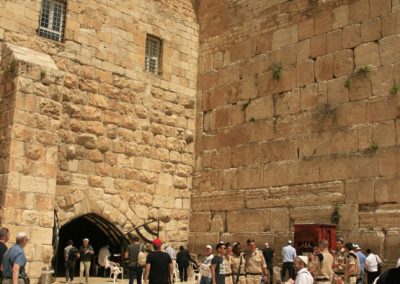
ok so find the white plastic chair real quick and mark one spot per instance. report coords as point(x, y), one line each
point(115, 270)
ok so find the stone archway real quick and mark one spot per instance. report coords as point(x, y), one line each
point(97, 229)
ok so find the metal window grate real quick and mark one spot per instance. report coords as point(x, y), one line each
point(52, 19)
point(153, 54)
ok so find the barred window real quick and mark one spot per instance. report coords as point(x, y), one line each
point(52, 19)
point(153, 54)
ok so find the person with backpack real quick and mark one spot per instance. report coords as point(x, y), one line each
point(352, 270)
point(136, 262)
point(71, 254)
point(183, 260)
point(14, 262)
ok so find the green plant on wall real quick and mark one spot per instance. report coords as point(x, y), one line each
point(364, 70)
point(395, 89)
point(335, 218)
point(373, 147)
point(347, 83)
point(277, 71)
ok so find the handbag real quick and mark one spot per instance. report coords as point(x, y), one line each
point(26, 279)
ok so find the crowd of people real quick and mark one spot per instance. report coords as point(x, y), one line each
point(226, 264)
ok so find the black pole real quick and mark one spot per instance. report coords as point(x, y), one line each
point(158, 229)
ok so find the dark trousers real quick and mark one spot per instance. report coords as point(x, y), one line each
point(183, 272)
point(271, 272)
point(69, 270)
point(290, 268)
point(372, 276)
point(135, 272)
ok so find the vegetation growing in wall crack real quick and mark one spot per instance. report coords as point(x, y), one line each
point(245, 105)
point(364, 70)
point(347, 83)
point(11, 67)
point(277, 71)
point(335, 218)
point(373, 147)
point(42, 74)
point(395, 89)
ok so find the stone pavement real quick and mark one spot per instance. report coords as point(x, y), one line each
point(99, 280)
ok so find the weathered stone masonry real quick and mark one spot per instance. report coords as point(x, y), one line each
point(85, 130)
point(297, 114)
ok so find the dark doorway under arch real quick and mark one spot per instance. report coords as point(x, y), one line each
point(98, 230)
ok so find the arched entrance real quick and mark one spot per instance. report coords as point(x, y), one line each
point(98, 230)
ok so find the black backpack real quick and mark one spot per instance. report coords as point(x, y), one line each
point(72, 254)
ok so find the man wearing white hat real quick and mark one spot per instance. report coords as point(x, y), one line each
point(288, 255)
point(205, 271)
point(390, 276)
point(303, 275)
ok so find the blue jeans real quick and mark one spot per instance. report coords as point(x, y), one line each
point(135, 272)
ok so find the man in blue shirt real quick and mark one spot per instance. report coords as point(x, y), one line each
point(14, 261)
point(288, 256)
point(362, 258)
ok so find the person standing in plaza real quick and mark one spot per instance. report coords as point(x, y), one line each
point(159, 267)
point(4, 238)
point(288, 255)
point(238, 265)
point(205, 271)
point(372, 263)
point(132, 253)
point(340, 259)
point(86, 254)
point(361, 259)
point(183, 260)
point(255, 264)
point(217, 267)
point(325, 272)
point(390, 276)
point(104, 254)
point(303, 275)
point(14, 261)
point(268, 254)
point(352, 270)
point(170, 250)
point(71, 254)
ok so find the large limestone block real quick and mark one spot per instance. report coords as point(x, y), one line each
point(285, 36)
point(348, 217)
point(280, 220)
point(392, 244)
point(340, 17)
point(367, 54)
point(260, 108)
point(389, 49)
point(198, 241)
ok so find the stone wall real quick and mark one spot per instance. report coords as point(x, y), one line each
point(297, 115)
point(117, 141)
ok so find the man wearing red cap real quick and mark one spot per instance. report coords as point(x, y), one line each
point(159, 266)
